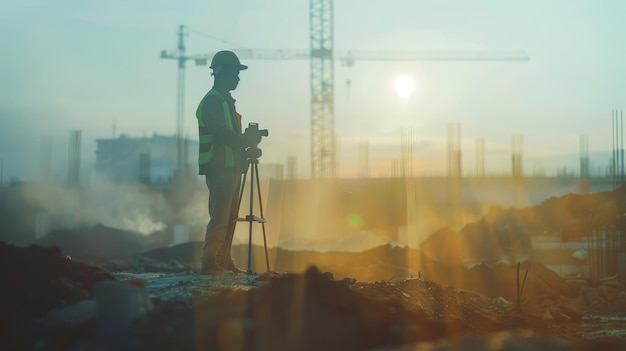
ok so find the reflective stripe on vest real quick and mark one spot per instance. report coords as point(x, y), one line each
point(207, 149)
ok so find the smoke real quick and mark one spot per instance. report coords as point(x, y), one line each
point(124, 206)
point(140, 222)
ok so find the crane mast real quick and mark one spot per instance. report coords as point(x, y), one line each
point(323, 155)
point(180, 104)
point(179, 55)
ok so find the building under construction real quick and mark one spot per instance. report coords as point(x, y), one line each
point(150, 160)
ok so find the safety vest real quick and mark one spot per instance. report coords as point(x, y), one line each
point(207, 146)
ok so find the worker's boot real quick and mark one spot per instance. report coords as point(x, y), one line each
point(209, 262)
point(227, 262)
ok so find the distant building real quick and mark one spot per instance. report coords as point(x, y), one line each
point(146, 159)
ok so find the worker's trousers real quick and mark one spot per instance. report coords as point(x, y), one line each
point(224, 190)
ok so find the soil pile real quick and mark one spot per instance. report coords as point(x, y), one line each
point(307, 311)
point(37, 281)
point(503, 231)
point(96, 245)
point(311, 311)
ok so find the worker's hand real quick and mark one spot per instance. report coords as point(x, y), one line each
point(252, 137)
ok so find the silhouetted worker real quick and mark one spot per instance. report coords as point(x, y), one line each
point(222, 160)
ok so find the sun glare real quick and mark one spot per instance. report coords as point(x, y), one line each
point(404, 85)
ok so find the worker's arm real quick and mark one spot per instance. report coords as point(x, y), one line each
point(213, 114)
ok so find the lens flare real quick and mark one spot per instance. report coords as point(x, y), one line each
point(355, 220)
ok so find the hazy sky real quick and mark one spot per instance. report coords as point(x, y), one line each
point(80, 64)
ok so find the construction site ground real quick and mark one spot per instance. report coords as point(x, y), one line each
point(53, 303)
point(100, 288)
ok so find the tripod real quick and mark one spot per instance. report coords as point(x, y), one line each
point(250, 218)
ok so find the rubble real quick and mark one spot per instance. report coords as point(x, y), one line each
point(39, 282)
point(386, 298)
point(309, 311)
point(504, 230)
point(271, 311)
point(98, 244)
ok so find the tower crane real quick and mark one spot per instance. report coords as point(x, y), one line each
point(179, 55)
point(321, 55)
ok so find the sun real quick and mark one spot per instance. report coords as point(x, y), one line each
point(404, 85)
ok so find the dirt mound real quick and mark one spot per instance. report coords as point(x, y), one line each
point(309, 311)
point(298, 312)
point(96, 245)
point(505, 230)
point(541, 288)
point(36, 280)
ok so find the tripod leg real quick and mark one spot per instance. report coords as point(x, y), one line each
point(258, 186)
point(251, 218)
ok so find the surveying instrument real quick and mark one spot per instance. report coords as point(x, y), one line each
point(253, 135)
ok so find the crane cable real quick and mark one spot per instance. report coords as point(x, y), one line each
point(223, 41)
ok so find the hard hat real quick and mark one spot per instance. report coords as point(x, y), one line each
point(226, 58)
